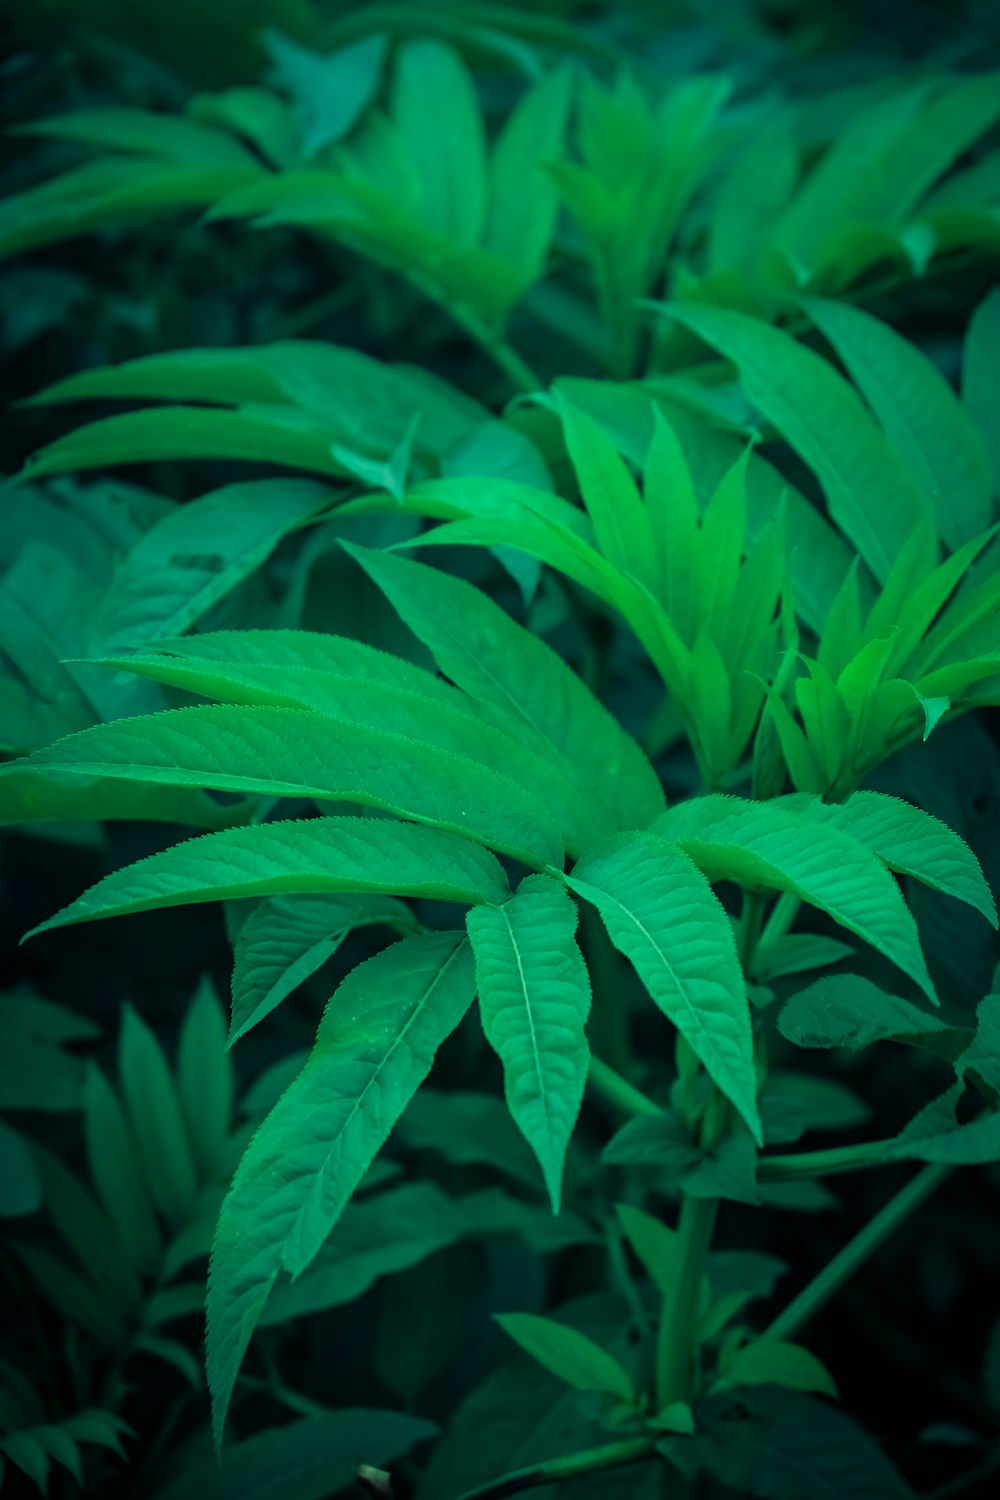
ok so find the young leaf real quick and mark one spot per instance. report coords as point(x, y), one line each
point(662, 914)
point(927, 425)
point(285, 940)
point(435, 106)
point(762, 846)
point(157, 1119)
point(312, 855)
point(621, 523)
point(205, 1080)
point(521, 684)
point(534, 997)
point(285, 752)
point(569, 1354)
point(522, 201)
point(776, 1362)
point(870, 495)
point(374, 1047)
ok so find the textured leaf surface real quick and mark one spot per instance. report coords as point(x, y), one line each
point(374, 1047)
point(534, 996)
point(310, 856)
point(285, 940)
point(663, 915)
point(522, 685)
point(847, 1010)
point(760, 845)
point(285, 752)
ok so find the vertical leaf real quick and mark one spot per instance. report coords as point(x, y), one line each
point(205, 1079)
point(435, 107)
point(157, 1119)
point(534, 996)
point(523, 201)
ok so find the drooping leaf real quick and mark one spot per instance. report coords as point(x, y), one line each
point(662, 914)
point(534, 997)
point(374, 1047)
point(762, 846)
point(284, 752)
point(315, 855)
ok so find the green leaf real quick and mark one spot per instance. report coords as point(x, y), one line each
point(621, 524)
point(37, 1071)
point(762, 846)
point(979, 375)
point(435, 106)
point(469, 1130)
point(927, 425)
point(668, 491)
point(205, 1080)
point(776, 1442)
point(654, 1242)
point(661, 913)
point(331, 92)
point(534, 997)
point(796, 953)
point(310, 855)
point(286, 940)
point(142, 131)
point(197, 555)
point(523, 203)
point(374, 1047)
point(569, 1354)
point(285, 752)
point(982, 1056)
point(30, 795)
point(935, 1134)
point(909, 840)
point(522, 685)
point(847, 1010)
point(307, 1459)
point(86, 1229)
point(117, 1172)
point(20, 1188)
point(381, 1236)
point(157, 1120)
point(255, 434)
point(869, 493)
point(777, 1362)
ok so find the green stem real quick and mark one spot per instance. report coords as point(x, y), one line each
point(618, 1091)
point(519, 373)
point(806, 1164)
point(748, 934)
point(588, 1461)
point(856, 1252)
point(676, 1349)
point(786, 909)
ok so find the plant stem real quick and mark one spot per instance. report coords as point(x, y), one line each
point(618, 1091)
point(856, 1252)
point(786, 909)
point(676, 1348)
point(805, 1164)
point(588, 1461)
point(519, 373)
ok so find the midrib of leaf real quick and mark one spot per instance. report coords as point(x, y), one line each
point(531, 1020)
point(397, 1042)
point(693, 1009)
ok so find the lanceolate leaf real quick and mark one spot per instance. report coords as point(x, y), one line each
point(927, 425)
point(435, 106)
point(534, 996)
point(869, 492)
point(909, 840)
point(569, 1354)
point(523, 201)
point(522, 685)
point(374, 1048)
point(847, 1010)
point(161, 1133)
point(662, 914)
point(762, 846)
point(285, 752)
point(288, 938)
point(312, 855)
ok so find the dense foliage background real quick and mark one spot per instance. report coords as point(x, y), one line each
point(728, 155)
